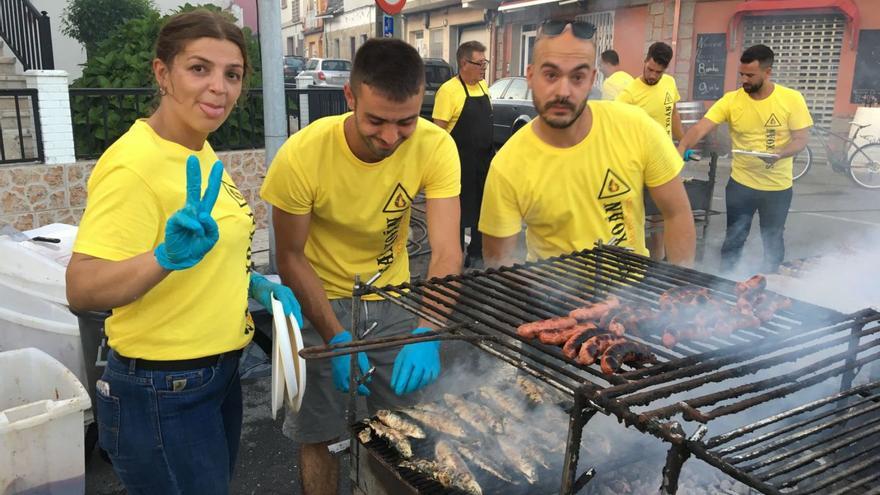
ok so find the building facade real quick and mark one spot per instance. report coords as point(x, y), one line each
point(348, 27)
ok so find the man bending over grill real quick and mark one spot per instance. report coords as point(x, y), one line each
point(577, 173)
point(342, 190)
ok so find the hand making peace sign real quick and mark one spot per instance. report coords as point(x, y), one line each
point(191, 232)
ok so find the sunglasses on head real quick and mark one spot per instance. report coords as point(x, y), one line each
point(581, 29)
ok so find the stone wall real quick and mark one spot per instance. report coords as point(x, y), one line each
point(33, 195)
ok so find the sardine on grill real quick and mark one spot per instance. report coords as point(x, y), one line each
point(397, 439)
point(504, 402)
point(447, 456)
point(400, 424)
point(481, 462)
point(443, 474)
point(516, 459)
point(479, 417)
point(531, 389)
point(437, 422)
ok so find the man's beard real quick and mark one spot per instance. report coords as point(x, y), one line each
point(650, 82)
point(557, 123)
point(753, 88)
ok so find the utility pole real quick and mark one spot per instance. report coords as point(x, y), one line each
point(274, 107)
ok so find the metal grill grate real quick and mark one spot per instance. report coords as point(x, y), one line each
point(807, 52)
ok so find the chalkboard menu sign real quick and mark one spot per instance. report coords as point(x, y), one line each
point(709, 64)
point(866, 82)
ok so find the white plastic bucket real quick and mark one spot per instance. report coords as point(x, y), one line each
point(41, 418)
point(37, 268)
point(27, 321)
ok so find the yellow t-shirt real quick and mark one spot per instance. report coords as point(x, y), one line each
point(139, 182)
point(450, 98)
point(658, 100)
point(762, 125)
point(359, 211)
point(571, 197)
point(614, 84)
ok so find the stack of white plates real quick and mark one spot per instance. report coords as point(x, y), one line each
point(288, 368)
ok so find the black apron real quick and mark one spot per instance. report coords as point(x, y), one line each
point(473, 138)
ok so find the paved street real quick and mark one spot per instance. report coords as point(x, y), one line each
point(828, 211)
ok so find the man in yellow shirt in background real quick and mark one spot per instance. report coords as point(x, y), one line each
point(343, 188)
point(655, 91)
point(766, 117)
point(577, 173)
point(616, 80)
point(462, 107)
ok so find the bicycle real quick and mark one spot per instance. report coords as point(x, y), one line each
point(862, 163)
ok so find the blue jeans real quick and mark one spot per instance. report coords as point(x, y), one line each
point(772, 208)
point(171, 432)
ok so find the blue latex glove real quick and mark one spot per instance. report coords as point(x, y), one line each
point(262, 290)
point(191, 232)
point(691, 155)
point(342, 366)
point(416, 365)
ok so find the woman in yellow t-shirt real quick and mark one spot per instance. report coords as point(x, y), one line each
point(172, 260)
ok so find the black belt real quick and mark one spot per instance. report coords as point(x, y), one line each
point(178, 365)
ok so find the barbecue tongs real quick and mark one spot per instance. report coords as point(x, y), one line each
point(445, 333)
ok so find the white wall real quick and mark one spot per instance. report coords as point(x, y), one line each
point(69, 54)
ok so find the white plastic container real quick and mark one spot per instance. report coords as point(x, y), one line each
point(27, 321)
point(41, 418)
point(37, 268)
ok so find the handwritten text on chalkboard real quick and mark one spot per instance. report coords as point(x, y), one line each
point(709, 64)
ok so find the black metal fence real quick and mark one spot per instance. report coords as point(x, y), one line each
point(21, 138)
point(27, 32)
point(100, 116)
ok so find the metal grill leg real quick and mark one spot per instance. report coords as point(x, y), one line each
point(581, 414)
point(675, 459)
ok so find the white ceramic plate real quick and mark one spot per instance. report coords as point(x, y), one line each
point(287, 339)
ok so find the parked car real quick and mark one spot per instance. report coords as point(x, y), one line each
point(513, 107)
point(437, 72)
point(293, 65)
point(327, 71)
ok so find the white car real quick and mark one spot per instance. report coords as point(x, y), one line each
point(327, 71)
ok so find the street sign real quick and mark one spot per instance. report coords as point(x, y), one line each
point(387, 26)
point(391, 7)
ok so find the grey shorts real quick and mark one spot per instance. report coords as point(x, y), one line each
point(322, 417)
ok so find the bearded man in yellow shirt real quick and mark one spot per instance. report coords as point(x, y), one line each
point(655, 91)
point(616, 80)
point(343, 189)
point(765, 117)
point(577, 173)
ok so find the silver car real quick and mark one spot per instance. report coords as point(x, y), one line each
point(327, 71)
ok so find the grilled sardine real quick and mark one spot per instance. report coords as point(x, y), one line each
point(480, 417)
point(504, 402)
point(516, 459)
point(443, 474)
point(438, 423)
point(531, 389)
point(400, 424)
point(447, 456)
point(397, 439)
point(365, 435)
point(483, 463)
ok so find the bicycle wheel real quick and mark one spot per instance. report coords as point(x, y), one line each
point(864, 166)
point(801, 163)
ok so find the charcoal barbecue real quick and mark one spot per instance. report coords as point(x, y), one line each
point(708, 387)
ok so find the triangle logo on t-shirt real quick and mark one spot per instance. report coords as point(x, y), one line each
point(398, 201)
point(773, 121)
point(668, 99)
point(613, 186)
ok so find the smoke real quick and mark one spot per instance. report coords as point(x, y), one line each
point(846, 277)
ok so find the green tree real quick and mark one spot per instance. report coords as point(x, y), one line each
point(92, 21)
point(124, 60)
